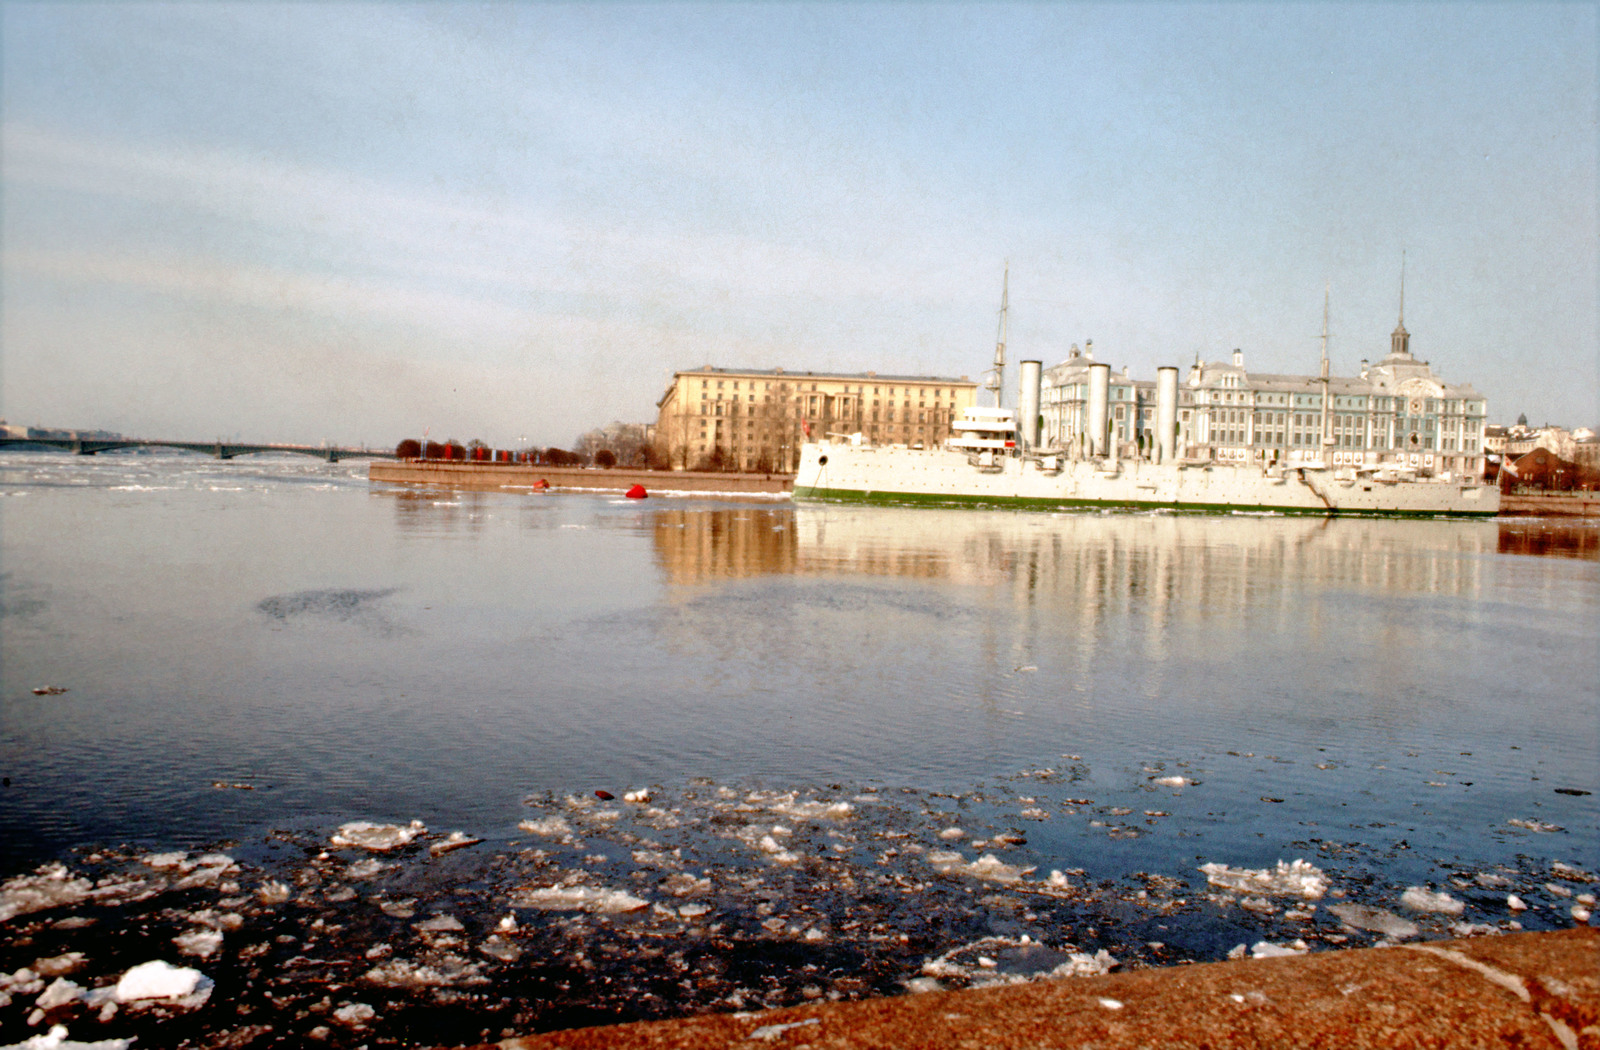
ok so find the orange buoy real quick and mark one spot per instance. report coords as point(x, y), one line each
point(541, 485)
point(637, 492)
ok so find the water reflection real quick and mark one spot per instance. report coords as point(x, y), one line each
point(1549, 536)
point(1110, 560)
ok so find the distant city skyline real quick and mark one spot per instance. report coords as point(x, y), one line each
point(354, 222)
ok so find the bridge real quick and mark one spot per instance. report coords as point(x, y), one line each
point(219, 449)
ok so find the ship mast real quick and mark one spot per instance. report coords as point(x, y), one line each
point(996, 380)
point(1326, 436)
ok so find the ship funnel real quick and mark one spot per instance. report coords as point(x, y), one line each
point(1099, 406)
point(1166, 413)
point(1028, 404)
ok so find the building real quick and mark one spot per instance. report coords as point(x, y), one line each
point(1395, 412)
point(756, 419)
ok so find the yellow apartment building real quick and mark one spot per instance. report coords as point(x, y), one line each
point(757, 419)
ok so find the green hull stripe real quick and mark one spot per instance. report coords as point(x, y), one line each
point(930, 499)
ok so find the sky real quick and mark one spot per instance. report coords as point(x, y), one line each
point(512, 222)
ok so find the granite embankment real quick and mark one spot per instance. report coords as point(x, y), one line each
point(579, 479)
point(1523, 990)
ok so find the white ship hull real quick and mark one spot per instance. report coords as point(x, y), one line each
point(865, 473)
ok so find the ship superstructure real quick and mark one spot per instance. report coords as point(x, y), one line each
point(999, 457)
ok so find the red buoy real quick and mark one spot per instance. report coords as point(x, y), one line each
point(541, 485)
point(637, 492)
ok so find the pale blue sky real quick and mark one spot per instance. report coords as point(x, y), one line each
point(347, 222)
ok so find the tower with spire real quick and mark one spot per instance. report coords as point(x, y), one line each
point(1400, 339)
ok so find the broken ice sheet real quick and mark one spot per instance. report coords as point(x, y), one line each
point(378, 837)
point(1297, 878)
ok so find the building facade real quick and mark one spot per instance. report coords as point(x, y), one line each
point(1396, 412)
point(756, 420)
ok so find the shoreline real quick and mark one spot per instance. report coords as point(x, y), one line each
point(469, 475)
point(1523, 989)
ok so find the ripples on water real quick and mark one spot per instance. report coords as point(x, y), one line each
point(258, 651)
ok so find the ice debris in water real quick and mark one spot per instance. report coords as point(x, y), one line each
point(56, 1039)
point(1295, 879)
point(1268, 950)
point(547, 827)
point(1534, 825)
point(1375, 920)
point(1173, 781)
point(380, 837)
point(987, 866)
point(579, 898)
point(1418, 898)
point(51, 886)
point(178, 985)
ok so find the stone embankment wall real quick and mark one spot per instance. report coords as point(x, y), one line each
point(1551, 504)
point(523, 476)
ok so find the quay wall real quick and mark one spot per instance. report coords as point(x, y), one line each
point(523, 476)
point(1550, 504)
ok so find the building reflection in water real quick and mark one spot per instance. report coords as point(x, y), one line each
point(1151, 593)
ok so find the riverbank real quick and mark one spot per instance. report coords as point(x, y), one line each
point(1529, 990)
point(1550, 505)
point(578, 479)
point(680, 482)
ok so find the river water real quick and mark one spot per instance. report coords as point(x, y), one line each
point(244, 656)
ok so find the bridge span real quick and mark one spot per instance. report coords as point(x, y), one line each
point(219, 449)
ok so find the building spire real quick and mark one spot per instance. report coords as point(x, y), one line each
point(1400, 340)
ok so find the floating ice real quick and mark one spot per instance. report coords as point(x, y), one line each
point(547, 827)
point(273, 892)
point(1580, 914)
point(1295, 879)
point(440, 924)
point(354, 1014)
point(1173, 781)
point(56, 1039)
point(60, 993)
point(446, 970)
point(1081, 964)
point(638, 797)
point(1418, 898)
point(157, 979)
point(50, 887)
point(166, 860)
point(200, 943)
point(379, 837)
point(1568, 872)
point(579, 898)
point(1375, 920)
point(1268, 950)
point(1534, 825)
point(364, 868)
point(454, 841)
point(987, 866)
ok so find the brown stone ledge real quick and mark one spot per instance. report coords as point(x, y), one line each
point(1516, 990)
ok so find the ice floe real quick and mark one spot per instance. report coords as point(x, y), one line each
point(49, 887)
point(57, 1039)
point(378, 837)
point(579, 898)
point(1375, 920)
point(1298, 878)
point(160, 980)
point(1419, 898)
